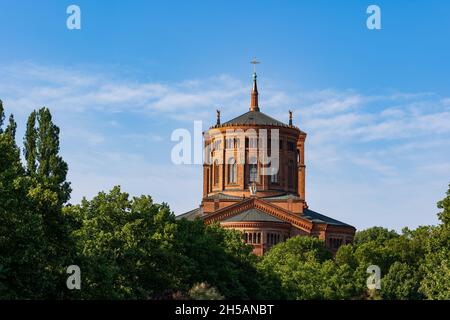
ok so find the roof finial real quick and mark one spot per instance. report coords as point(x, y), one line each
point(254, 62)
point(290, 118)
point(254, 96)
point(218, 117)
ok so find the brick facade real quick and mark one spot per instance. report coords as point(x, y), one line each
point(236, 166)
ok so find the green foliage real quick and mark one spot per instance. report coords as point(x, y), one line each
point(134, 249)
point(401, 282)
point(30, 151)
point(11, 128)
point(49, 191)
point(436, 262)
point(34, 242)
point(377, 234)
point(436, 281)
point(414, 265)
point(444, 204)
point(12, 125)
point(231, 266)
point(392, 254)
point(22, 258)
point(306, 270)
point(51, 169)
point(203, 291)
point(124, 246)
point(2, 116)
point(300, 249)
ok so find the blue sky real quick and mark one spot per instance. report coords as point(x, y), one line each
point(375, 103)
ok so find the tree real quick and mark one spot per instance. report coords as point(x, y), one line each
point(401, 282)
point(22, 258)
point(124, 246)
point(11, 128)
point(306, 270)
point(51, 170)
point(300, 248)
point(436, 265)
point(436, 280)
point(2, 116)
point(47, 191)
point(202, 291)
point(399, 257)
point(444, 204)
point(378, 234)
point(30, 151)
point(231, 266)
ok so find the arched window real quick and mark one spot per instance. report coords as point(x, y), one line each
point(217, 143)
point(253, 173)
point(237, 143)
point(291, 146)
point(229, 143)
point(274, 176)
point(250, 239)
point(253, 170)
point(232, 171)
point(216, 172)
point(291, 174)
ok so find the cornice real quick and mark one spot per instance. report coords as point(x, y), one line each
point(257, 224)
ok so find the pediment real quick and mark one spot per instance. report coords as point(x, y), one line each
point(259, 209)
point(253, 215)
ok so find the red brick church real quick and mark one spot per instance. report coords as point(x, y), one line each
point(240, 192)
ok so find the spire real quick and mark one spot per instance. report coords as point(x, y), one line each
point(254, 95)
point(290, 118)
point(254, 99)
point(218, 117)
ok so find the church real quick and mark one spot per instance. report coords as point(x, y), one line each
point(265, 200)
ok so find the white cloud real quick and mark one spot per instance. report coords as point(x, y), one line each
point(373, 164)
point(91, 172)
point(25, 87)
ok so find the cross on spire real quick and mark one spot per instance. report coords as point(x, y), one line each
point(254, 62)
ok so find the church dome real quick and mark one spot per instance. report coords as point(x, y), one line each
point(265, 200)
point(254, 153)
point(254, 118)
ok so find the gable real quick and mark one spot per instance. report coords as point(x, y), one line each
point(269, 211)
point(252, 215)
